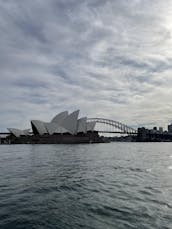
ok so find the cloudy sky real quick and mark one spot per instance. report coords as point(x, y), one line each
point(108, 58)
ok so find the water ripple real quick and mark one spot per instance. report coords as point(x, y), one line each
point(86, 186)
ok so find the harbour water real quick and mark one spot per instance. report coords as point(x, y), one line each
point(94, 186)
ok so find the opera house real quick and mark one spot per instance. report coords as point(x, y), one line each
point(63, 128)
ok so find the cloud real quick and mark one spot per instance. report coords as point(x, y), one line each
point(108, 58)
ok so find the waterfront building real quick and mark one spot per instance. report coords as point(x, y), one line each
point(63, 128)
point(161, 129)
point(62, 123)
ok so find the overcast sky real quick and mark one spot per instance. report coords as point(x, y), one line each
point(108, 58)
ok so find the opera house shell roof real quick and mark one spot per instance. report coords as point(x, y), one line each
point(18, 132)
point(62, 123)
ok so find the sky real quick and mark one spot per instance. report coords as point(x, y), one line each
point(109, 58)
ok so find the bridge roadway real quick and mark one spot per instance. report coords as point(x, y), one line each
point(117, 132)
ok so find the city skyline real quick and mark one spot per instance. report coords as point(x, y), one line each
point(110, 59)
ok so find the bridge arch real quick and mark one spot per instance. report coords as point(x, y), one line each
point(122, 128)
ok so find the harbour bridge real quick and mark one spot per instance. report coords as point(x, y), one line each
point(106, 126)
point(111, 126)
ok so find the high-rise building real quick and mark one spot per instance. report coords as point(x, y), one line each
point(161, 129)
point(170, 128)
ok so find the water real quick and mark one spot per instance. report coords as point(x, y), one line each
point(96, 186)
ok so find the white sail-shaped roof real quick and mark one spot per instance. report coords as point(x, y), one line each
point(82, 125)
point(61, 130)
point(18, 132)
point(51, 127)
point(70, 122)
point(26, 131)
point(40, 126)
point(91, 126)
point(60, 117)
